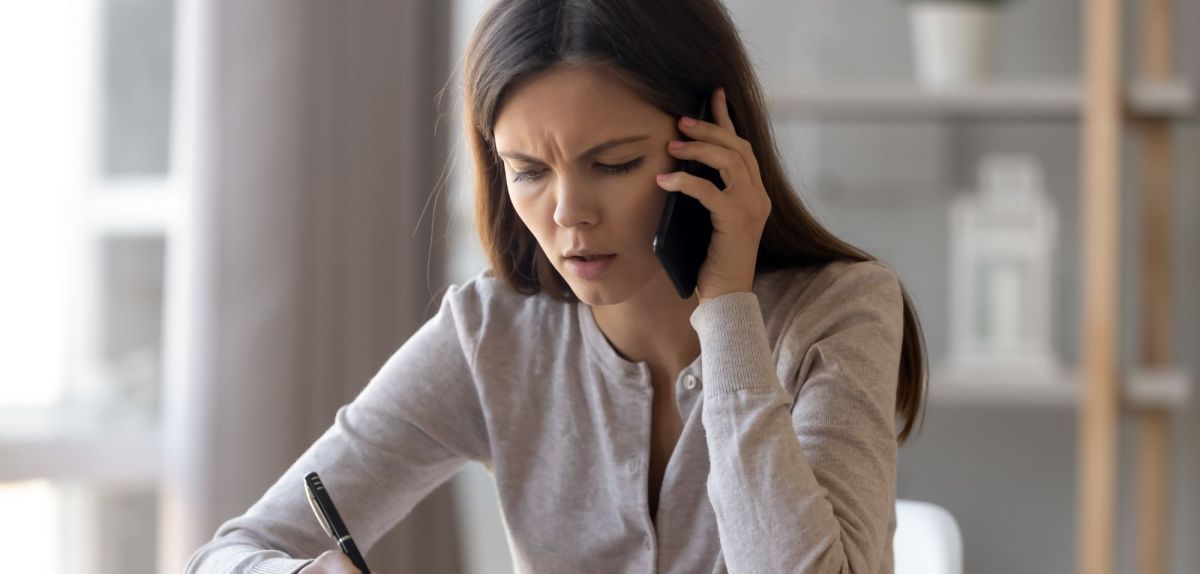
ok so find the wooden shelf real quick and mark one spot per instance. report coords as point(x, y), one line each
point(860, 101)
point(1168, 389)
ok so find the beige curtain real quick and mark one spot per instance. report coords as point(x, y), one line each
point(306, 150)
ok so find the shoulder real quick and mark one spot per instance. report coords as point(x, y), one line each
point(844, 315)
point(480, 292)
point(829, 296)
point(485, 305)
point(485, 295)
point(836, 280)
point(485, 290)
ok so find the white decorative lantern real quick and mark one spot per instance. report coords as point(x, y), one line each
point(1002, 241)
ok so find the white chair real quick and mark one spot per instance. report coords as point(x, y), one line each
point(927, 540)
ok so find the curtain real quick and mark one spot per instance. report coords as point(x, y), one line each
point(305, 151)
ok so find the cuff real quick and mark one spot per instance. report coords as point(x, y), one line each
point(735, 353)
point(280, 565)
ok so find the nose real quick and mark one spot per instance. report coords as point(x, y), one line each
point(575, 207)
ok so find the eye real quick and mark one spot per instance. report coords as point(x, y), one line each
point(626, 167)
point(526, 175)
point(623, 168)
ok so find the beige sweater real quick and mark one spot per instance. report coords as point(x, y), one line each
point(786, 461)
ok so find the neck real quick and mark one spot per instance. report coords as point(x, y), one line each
point(653, 326)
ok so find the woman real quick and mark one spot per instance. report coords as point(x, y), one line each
point(751, 427)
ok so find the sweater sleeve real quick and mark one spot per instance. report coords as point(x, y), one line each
point(804, 485)
point(415, 424)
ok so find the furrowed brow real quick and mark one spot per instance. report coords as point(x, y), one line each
point(594, 151)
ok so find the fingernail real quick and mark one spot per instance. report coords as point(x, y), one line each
point(675, 144)
point(689, 122)
point(661, 177)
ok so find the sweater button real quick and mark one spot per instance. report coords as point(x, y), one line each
point(689, 382)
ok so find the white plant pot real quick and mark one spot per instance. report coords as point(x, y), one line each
point(953, 41)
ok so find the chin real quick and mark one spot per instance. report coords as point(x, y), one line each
point(603, 291)
point(610, 289)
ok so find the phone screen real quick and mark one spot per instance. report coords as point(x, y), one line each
point(685, 226)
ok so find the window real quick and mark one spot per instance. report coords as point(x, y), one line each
point(86, 205)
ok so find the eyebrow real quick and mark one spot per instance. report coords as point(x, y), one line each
point(595, 150)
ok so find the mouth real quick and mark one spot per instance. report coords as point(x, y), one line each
point(594, 257)
point(590, 266)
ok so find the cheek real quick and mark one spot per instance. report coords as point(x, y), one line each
point(537, 217)
point(646, 206)
point(525, 206)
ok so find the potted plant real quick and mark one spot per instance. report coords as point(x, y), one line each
point(953, 40)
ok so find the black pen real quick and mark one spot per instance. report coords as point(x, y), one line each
point(331, 521)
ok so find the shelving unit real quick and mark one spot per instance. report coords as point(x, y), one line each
point(1103, 104)
point(1167, 389)
point(1002, 100)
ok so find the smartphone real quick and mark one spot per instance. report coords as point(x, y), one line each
point(685, 226)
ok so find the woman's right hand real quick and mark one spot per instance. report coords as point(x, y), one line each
point(331, 562)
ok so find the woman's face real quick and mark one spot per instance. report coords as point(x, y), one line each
point(575, 193)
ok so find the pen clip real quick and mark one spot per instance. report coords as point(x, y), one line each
point(312, 501)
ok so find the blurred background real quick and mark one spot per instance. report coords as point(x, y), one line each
point(220, 217)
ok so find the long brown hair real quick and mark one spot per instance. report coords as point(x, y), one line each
point(672, 53)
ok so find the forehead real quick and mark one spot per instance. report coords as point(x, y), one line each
point(571, 108)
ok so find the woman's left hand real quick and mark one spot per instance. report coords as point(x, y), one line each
point(739, 213)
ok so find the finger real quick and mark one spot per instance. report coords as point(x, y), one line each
point(720, 107)
point(344, 564)
point(724, 118)
point(713, 133)
point(703, 190)
point(728, 162)
point(748, 149)
point(710, 132)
